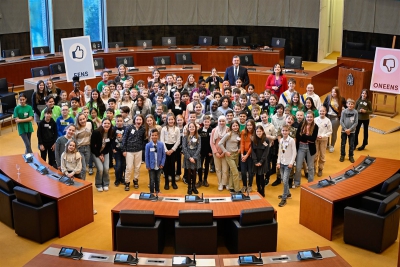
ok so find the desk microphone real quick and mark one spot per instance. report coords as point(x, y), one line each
point(194, 258)
point(259, 255)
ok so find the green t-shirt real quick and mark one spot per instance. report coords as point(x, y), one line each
point(24, 112)
point(100, 86)
point(71, 113)
point(56, 112)
point(293, 109)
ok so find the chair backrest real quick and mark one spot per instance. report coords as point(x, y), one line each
point(137, 217)
point(205, 40)
point(164, 60)
point(98, 63)
point(243, 40)
point(96, 45)
point(195, 217)
point(40, 50)
point(11, 53)
point(256, 216)
point(293, 62)
point(115, 44)
point(6, 184)
point(278, 42)
point(246, 60)
point(8, 103)
point(388, 204)
point(149, 43)
point(183, 58)
point(127, 61)
point(57, 68)
point(226, 40)
point(390, 184)
point(28, 196)
point(168, 41)
point(3, 85)
point(28, 94)
point(40, 71)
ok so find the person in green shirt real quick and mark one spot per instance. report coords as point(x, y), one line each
point(23, 115)
point(74, 110)
point(50, 103)
point(104, 76)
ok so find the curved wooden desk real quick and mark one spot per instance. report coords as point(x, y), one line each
point(74, 204)
point(317, 206)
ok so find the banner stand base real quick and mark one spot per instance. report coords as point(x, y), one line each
point(384, 105)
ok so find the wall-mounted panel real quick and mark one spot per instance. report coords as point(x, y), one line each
point(121, 13)
point(273, 13)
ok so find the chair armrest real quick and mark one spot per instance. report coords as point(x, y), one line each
point(376, 195)
point(12, 87)
point(370, 204)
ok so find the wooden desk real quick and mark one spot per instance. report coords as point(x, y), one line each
point(44, 260)
point(317, 206)
point(170, 210)
point(74, 204)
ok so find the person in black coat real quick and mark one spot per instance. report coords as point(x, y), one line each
point(47, 136)
point(241, 72)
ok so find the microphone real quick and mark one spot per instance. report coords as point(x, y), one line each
point(202, 196)
point(194, 258)
point(259, 254)
point(317, 249)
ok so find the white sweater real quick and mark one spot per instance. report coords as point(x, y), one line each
point(324, 127)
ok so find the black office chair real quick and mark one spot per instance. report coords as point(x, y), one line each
point(243, 40)
point(138, 230)
point(163, 60)
point(184, 59)
point(226, 40)
point(196, 232)
point(149, 43)
point(168, 41)
point(127, 61)
point(256, 230)
point(40, 71)
point(98, 63)
point(247, 60)
point(4, 87)
point(205, 40)
point(115, 44)
point(34, 217)
point(388, 187)
point(6, 197)
point(11, 53)
point(57, 68)
point(373, 226)
point(40, 50)
point(28, 94)
point(96, 45)
point(8, 104)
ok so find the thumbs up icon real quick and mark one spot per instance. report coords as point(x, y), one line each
point(78, 53)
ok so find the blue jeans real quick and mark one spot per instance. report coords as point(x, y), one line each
point(247, 167)
point(120, 165)
point(155, 180)
point(91, 161)
point(302, 153)
point(85, 152)
point(26, 138)
point(344, 137)
point(102, 169)
point(285, 173)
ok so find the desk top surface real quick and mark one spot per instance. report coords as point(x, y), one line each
point(370, 177)
point(32, 179)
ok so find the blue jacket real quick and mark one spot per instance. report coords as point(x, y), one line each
point(149, 155)
point(61, 126)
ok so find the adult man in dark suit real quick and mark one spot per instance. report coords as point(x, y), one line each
point(234, 72)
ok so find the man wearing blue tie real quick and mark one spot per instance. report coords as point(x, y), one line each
point(234, 72)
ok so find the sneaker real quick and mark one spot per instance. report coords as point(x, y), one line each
point(90, 171)
point(220, 187)
point(282, 203)
point(294, 186)
point(169, 178)
point(306, 174)
point(199, 184)
point(288, 196)
point(249, 189)
point(148, 185)
point(243, 190)
point(361, 148)
point(174, 186)
point(99, 189)
point(319, 173)
point(142, 162)
point(105, 188)
point(351, 159)
point(341, 158)
point(277, 182)
point(227, 187)
point(212, 170)
point(177, 178)
point(331, 149)
point(94, 212)
point(135, 184)
point(184, 180)
point(127, 186)
point(266, 182)
point(116, 183)
point(205, 183)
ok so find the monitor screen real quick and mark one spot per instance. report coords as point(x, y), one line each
point(293, 62)
point(278, 42)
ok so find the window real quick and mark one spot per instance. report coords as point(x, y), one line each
point(94, 20)
point(41, 23)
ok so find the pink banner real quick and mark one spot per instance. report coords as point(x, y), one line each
point(386, 72)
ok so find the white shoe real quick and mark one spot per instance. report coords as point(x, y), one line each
point(99, 189)
point(220, 187)
point(94, 212)
point(105, 188)
point(177, 177)
point(169, 178)
point(227, 187)
point(331, 149)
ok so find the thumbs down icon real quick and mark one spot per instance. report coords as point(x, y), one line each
point(389, 63)
point(78, 53)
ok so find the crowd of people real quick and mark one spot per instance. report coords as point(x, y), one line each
point(213, 125)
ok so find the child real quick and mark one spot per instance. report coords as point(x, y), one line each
point(324, 131)
point(180, 124)
point(191, 146)
point(278, 119)
point(243, 104)
point(199, 115)
point(74, 110)
point(229, 144)
point(236, 111)
point(50, 104)
point(242, 120)
point(236, 96)
point(112, 103)
point(47, 136)
point(63, 121)
point(132, 145)
point(88, 93)
point(155, 160)
point(23, 115)
point(225, 104)
point(125, 111)
point(62, 141)
point(229, 118)
point(71, 160)
point(120, 163)
point(205, 151)
point(299, 118)
point(270, 133)
point(246, 162)
point(265, 105)
point(364, 109)
point(309, 105)
point(259, 157)
point(273, 100)
point(63, 100)
point(95, 118)
point(110, 115)
point(295, 104)
point(214, 113)
point(255, 113)
point(348, 121)
point(286, 157)
point(253, 101)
